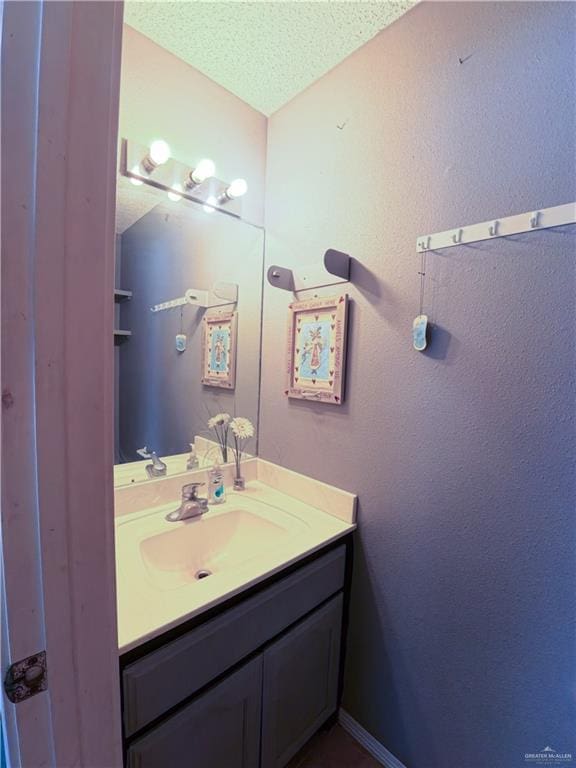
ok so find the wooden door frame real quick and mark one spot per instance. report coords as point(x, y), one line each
point(60, 94)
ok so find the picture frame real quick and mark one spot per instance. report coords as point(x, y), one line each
point(316, 353)
point(219, 340)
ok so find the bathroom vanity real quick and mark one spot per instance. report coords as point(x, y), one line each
point(230, 623)
point(237, 668)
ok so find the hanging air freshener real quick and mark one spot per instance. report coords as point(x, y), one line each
point(181, 337)
point(419, 333)
point(420, 327)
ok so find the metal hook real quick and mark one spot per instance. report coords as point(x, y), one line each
point(493, 229)
point(425, 244)
point(457, 238)
point(535, 219)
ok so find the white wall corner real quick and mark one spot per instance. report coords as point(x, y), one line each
point(365, 739)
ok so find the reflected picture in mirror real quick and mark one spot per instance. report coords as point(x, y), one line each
point(219, 349)
point(189, 302)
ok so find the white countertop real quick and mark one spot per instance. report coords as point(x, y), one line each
point(147, 609)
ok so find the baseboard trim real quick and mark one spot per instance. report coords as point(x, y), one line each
point(370, 744)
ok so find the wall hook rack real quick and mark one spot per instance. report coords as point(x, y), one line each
point(220, 295)
point(335, 268)
point(544, 218)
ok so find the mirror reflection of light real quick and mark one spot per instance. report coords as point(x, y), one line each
point(174, 193)
point(212, 202)
point(136, 182)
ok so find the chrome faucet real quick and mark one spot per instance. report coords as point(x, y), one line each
point(191, 505)
point(157, 468)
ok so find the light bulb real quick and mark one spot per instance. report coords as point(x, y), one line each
point(212, 202)
point(159, 152)
point(237, 188)
point(174, 193)
point(204, 170)
point(136, 182)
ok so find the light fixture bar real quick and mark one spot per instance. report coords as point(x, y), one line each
point(179, 180)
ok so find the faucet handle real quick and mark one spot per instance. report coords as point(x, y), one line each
point(190, 491)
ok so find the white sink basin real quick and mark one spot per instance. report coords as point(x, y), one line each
point(169, 556)
point(188, 551)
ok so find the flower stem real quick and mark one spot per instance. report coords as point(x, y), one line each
point(237, 455)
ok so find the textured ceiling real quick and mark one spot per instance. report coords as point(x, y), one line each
point(264, 52)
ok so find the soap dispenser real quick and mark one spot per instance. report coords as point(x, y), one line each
point(216, 490)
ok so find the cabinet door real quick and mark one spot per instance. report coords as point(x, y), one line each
point(219, 729)
point(300, 688)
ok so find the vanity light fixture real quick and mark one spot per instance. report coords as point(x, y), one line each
point(158, 154)
point(175, 192)
point(153, 165)
point(235, 189)
point(204, 170)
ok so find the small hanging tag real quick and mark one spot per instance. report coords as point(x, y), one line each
point(180, 342)
point(420, 333)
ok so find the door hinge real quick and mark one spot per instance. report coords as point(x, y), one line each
point(26, 678)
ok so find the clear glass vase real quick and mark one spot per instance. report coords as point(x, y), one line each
point(239, 481)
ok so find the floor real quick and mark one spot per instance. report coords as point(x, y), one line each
point(333, 749)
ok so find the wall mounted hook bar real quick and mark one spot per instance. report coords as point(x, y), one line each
point(220, 295)
point(334, 269)
point(280, 277)
point(544, 218)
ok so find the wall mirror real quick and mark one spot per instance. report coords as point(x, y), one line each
point(177, 366)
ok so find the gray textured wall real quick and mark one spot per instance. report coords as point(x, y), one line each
point(461, 648)
point(162, 402)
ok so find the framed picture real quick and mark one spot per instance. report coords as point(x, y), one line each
point(219, 350)
point(316, 359)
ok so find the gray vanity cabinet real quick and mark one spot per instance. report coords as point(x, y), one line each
point(248, 686)
point(219, 729)
point(300, 686)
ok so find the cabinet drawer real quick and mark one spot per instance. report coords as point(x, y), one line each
point(166, 677)
point(219, 729)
